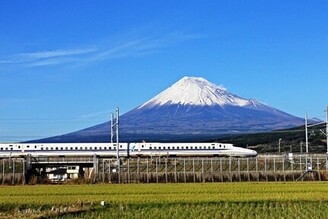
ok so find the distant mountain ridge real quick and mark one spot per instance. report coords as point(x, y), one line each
point(191, 109)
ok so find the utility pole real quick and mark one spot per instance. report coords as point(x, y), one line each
point(306, 134)
point(114, 127)
point(111, 128)
point(279, 144)
point(117, 142)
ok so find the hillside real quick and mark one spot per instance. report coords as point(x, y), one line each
point(291, 140)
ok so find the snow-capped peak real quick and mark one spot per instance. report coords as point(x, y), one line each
point(196, 91)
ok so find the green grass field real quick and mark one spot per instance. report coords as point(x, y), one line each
point(210, 200)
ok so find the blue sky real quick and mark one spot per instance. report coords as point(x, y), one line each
point(65, 65)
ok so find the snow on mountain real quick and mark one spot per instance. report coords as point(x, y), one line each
point(196, 91)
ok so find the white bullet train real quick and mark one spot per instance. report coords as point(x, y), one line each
point(142, 149)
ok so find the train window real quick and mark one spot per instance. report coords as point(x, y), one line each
point(81, 148)
point(219, 145)
point(223, 146)
point(18, 146)
point(35, 146)
point(27, 146)
point(11, 149)
point(178, 148)
point(195, 147)
point(169, 148)
point(164, 148)
point(76, 148)
point(56, 148)
point(110, 148)
point(209, 147)
point(100, 148)
point(186, 147)
point(120, 146)
point(66, 148)
point(6, 149)
point(150, 148)
point(155, 148)
point(46, 148)
point(41, 149)
point(159, 148)
point(95, 148)
point(2, 149)
point(213, 147)
point(142, 146)
point(105, 148)
point(61, 148)
point(114, 148)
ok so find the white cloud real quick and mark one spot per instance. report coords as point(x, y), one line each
point(121, 49)
point(55, 53)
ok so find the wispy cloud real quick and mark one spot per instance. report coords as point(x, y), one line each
point(56, 53)
point(120, 49)
point(50, 57)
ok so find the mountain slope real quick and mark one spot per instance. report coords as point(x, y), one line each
point(191, 109)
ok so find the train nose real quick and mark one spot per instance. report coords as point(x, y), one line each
point(252, 153)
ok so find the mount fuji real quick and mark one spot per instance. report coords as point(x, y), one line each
point(191, 109)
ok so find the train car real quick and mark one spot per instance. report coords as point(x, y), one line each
point(142, 149)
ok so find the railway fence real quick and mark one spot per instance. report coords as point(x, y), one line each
point(174, 169)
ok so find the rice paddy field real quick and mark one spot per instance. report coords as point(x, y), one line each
point(191, 200)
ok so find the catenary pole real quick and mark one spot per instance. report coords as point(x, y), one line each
point(306, 134)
